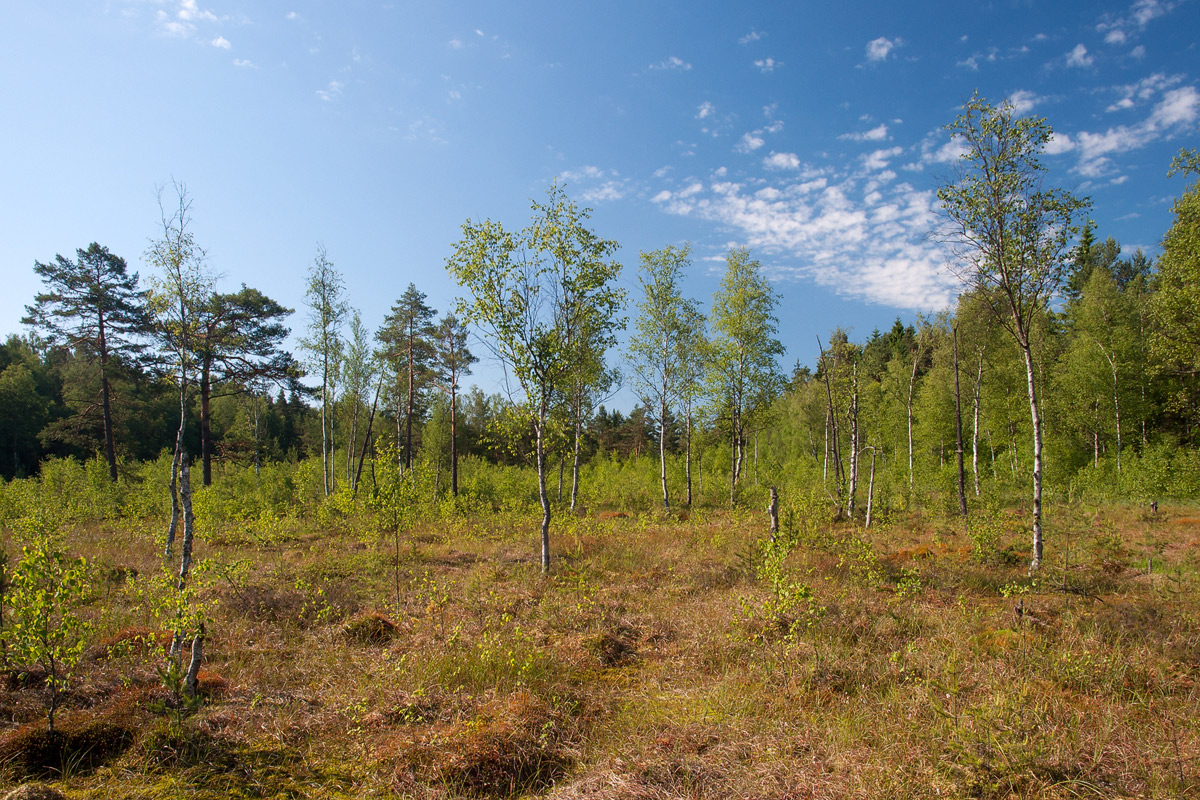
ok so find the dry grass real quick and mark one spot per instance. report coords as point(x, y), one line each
point(649, 664)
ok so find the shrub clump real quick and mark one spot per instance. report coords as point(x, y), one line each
point(513, 744)
point(33, 751)
point(371, 628)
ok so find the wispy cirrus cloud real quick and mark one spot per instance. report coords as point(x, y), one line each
point(864, 240)
point(597, 185)
point(1134, 94)
point(331, 92)
point(1120, 28)
point(877, 134)
point(752, 36)
point(182, 18)
point(767, 65)
point(1176, 111)
point(673, 63)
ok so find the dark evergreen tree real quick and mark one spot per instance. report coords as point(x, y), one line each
point(93, 306)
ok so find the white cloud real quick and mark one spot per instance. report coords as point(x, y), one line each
point(1177, 110)
point(749, 143)
point(752, 36)
point(1177, 107)
point(870, 244)
point(1059, 143)
point(1023, 101)
point(705, 110)
point(879, 49)
point(1118, 29)
point(172, 27)
point(767, 65)
point(597, 184)
point(661, 197)
point(605, 192)
point(290, 15)
point(221, 42)
point(672, 63)
point(244, 63)
point(190, 12)
point(879, 159)
point(331, 92)
point(585, 172)
point(426, 130)
point(454, 44)
point(1138, 52)
point(1079, 57)
point(1145, 89)
point(782, 161)
point(876, 134)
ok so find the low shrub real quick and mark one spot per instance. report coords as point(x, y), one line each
point(36, 752)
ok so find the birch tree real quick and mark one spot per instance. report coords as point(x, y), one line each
point(1010, 234)
point(526, 290)
point(743, 358)
point(663, 332)
point(177, 293)
point(325, 297)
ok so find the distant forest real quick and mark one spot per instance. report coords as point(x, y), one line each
point(122, 368)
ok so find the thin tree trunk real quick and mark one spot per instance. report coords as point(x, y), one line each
point(185, 496)
point(110, 449)
point(962, 477)
point(193, 670)
point(1036, 418)
point(324, 425)
point(734, 466)
point(687, 458)
point(173, 483)
point(412, 393)
point(662, 451)
point(543, 495)
point(773, 510)
point(575, 456)
point(871, 489)
point(975, 428)
point(912, 381)
point(853, 441)
point(453, 438)
point(367, 438)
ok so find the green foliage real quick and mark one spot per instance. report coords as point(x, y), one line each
point(44, 628)
point(185, 613)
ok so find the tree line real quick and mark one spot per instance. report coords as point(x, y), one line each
point(1064, 364)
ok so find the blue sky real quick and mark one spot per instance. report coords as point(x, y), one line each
point(810, 132)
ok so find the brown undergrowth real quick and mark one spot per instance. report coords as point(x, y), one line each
point(661, 658)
